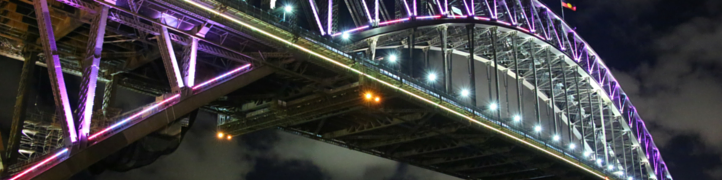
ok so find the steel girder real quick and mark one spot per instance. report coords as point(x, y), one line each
point(555, 74)
point(88, 156)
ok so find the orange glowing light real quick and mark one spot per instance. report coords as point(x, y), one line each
point(220, 135)
point(229, 137)
point(377, 99)
point(369, 96)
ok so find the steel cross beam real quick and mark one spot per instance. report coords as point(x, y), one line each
point(409, 138)
point(91, 64)
point(60, 93)
point(169, 59)
point(370, 126)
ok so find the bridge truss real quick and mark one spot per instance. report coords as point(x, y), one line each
point(589, 123)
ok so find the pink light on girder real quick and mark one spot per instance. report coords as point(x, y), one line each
point(376, 11)
point(393, 21)
point(330, 14)
point(504, 23)
point(458, 16)
point(368, 14)
point(468, 12)
point(222, 76)
point(482, 18)
point(126, 120)
point(36, 166)
point(429, 17)
point(473, 9)
point(415, 8)
point(169, 19)
point(191, 76)
point(352, 30)
point(446, 7)
point(441, 9)
point(523, 29)
point(315, 15)
point(512, 18)
point(408, 11)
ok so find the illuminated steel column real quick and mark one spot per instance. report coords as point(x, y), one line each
point(91, 64)
point(581, 115)
point(190, 53)
point(55, 71)
point(169, 60)
point(566, 99)
point(412, 43)
point(496, 72)
point(26, 77)
point(551, 89)
point(518, 81)
point(595, 136)
point(445, 56)
point(604, 131)
point(472, 72)
point(536, 86)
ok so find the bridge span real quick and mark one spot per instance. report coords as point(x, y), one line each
point(477, 89)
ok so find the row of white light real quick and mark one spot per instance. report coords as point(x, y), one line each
point(390, 85)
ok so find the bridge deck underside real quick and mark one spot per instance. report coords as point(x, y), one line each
point(397, 127)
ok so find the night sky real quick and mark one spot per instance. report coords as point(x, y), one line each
point(667, 54)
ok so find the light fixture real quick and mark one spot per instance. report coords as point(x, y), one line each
point(517, 118)
point(368, 96)
point(377, 99)
point(630, 178)
point(537, 128)
point(229, 137)
point(345, 35)
point(555, 138)
point(572, 146)
point(392, 58)
point(610, 167)
point(599, 161)
point(432, 77)
point(493, 106)
point(465, 93)
point(220, 135)
point(587, 153)
point(288, 8)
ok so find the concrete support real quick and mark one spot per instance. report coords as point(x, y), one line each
point(55, 71)
point(371, 52)
point(169, 59)
point(26, 77)
point(91, 64)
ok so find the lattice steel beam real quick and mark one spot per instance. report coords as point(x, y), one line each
point(91, 64)
point(373, 125)
point(409, 138)
point(57, 82)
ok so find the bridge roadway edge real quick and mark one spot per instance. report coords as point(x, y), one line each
point(327, 56)
point(83, 158)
